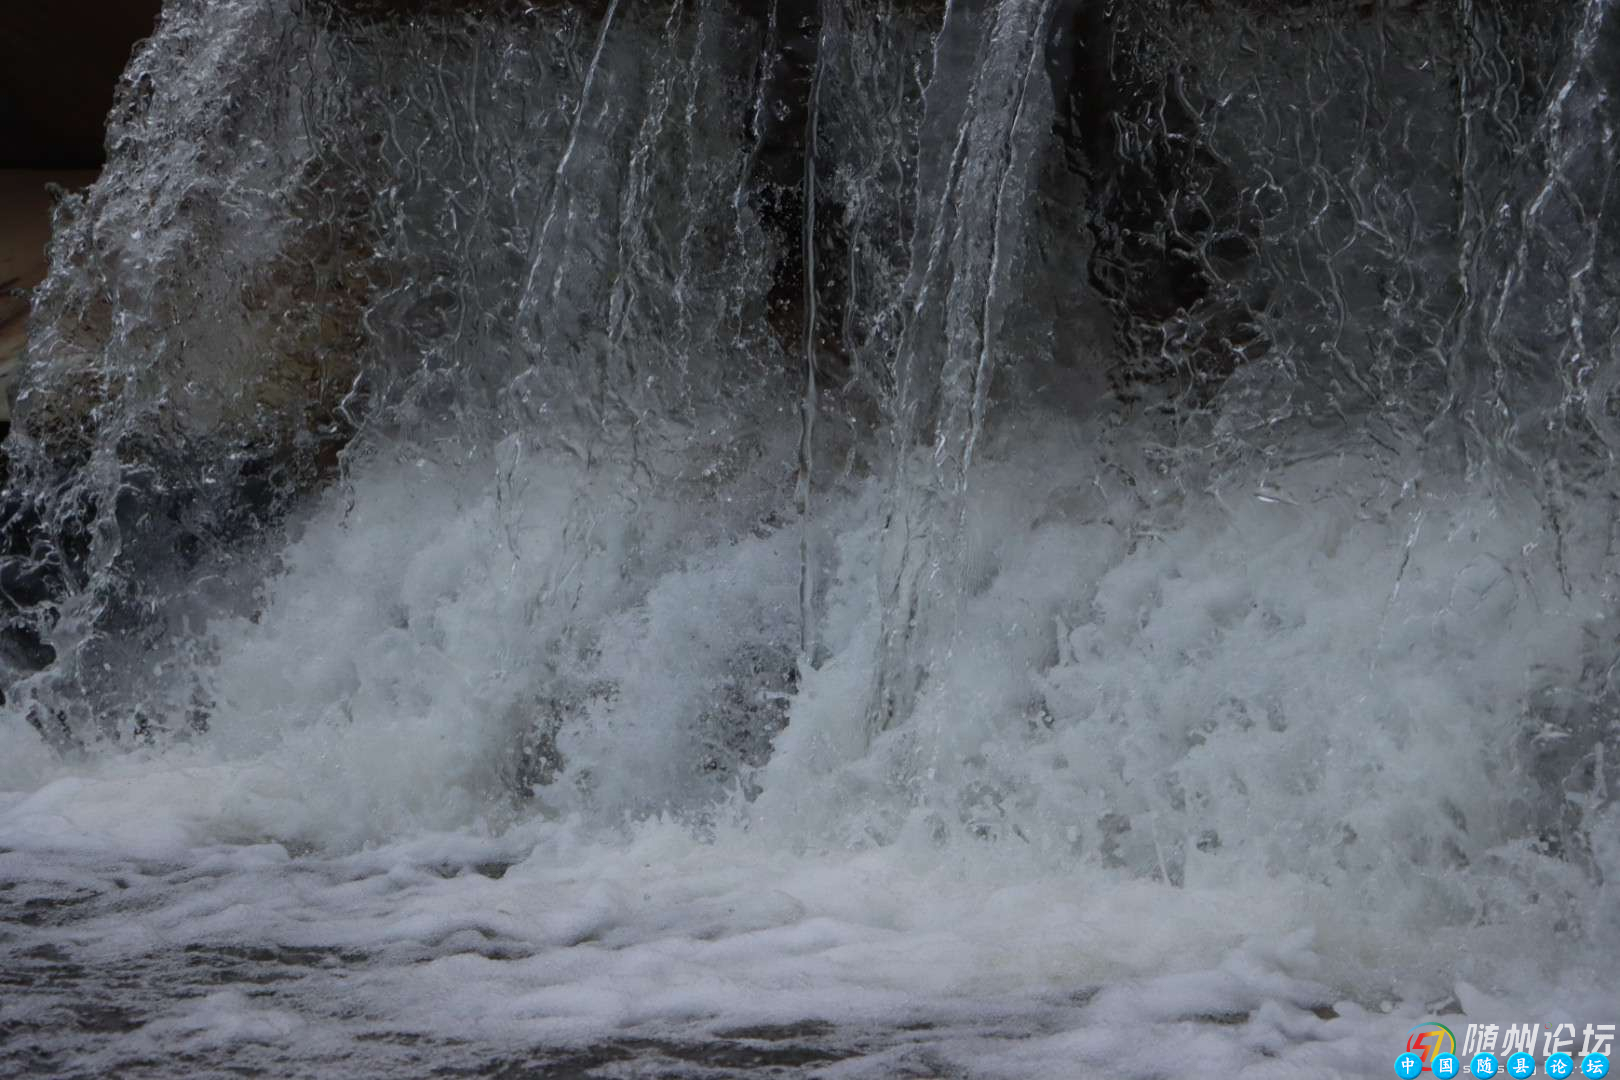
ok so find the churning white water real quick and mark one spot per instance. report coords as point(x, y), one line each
point(567, 708)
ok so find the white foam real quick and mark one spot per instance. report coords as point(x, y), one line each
point(1226, 757)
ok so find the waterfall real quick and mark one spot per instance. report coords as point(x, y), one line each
point(1131, 466)
point(946, 360)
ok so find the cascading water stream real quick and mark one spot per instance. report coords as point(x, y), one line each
point(926, 534)
point(809, 406)
point(941, 387)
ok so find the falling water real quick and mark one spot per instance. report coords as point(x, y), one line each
point(926, 536)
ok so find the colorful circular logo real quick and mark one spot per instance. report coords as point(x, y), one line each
point(1485, 1065)
point(1595, 1066)
point(1520, 1065)
point(1428, 1041)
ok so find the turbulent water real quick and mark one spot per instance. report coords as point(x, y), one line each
point(867, 538)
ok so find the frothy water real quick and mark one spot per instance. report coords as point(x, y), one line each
point(653, 539)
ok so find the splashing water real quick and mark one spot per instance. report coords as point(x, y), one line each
point(855, 537)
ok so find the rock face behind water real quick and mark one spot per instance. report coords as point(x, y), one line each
point(321, 219)
point(25, 232)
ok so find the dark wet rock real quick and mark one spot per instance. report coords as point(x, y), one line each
point(1173, 234)
point(50, 910)
point(45, 952)
point(716, 1057)
point(1184, 248)
point(282, 955)
point(805, 1029)
point(105, 1019)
